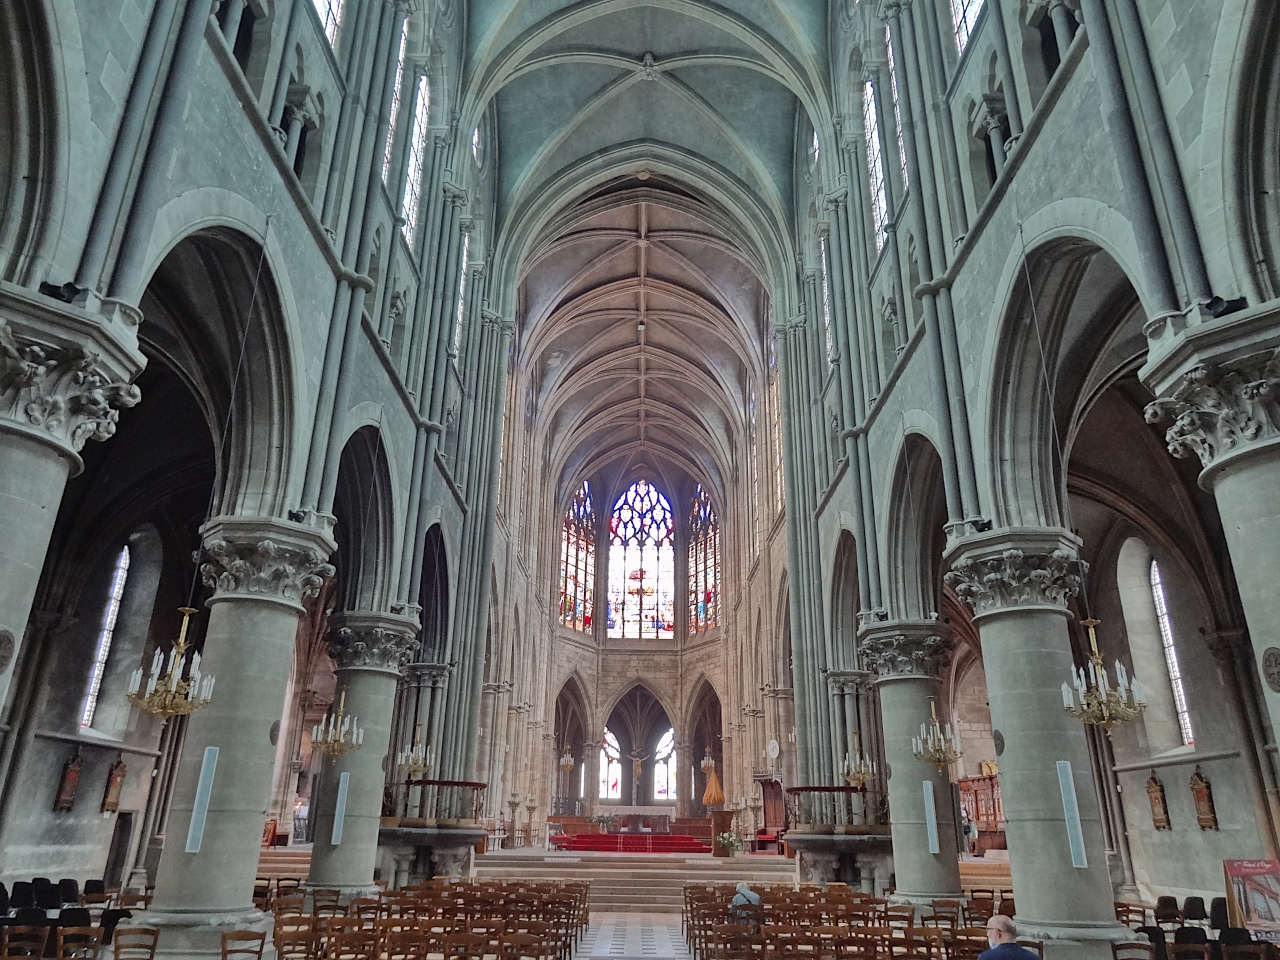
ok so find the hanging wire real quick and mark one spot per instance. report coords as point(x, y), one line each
point(1059, 447)
point(231, 404)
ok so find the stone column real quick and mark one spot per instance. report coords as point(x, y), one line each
point(260, 570)
point(591, 793)
point(1018, 583)
point(991, 116)
point(369, 649)
point(907, 659)
point(1220, 387)
point(64, 375)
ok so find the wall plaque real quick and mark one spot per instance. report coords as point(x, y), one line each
point(1202, 793)
point(998, 738)
point(1271, 667)
point(1159, 805)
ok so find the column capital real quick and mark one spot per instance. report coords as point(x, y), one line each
point(1218, 411)
point(64, 372)
point(891, 9)
point(893, 651)
point(367, 640)
point(1016, 568)
point(262, 558)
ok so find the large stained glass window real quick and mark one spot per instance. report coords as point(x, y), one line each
point(664, 767)
point(704, 562)
point(610, 767)
point(578, 561)
point(964, 14)
point(641, 565)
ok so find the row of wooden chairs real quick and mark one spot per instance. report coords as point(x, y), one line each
point(1145, 950)
point(76, 943)
point(736, 941)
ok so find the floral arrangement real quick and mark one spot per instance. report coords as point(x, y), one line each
point(729, 841)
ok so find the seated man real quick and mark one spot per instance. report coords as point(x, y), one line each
point(744, 903)
point(1003, 936)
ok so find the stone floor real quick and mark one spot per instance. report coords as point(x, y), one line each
point(633, 936)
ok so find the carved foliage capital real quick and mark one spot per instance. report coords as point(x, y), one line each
point(1215, 411)
point(64, 390)
point(906, 653)
point(370, 647)
point(287, 569)
point(1015, 578)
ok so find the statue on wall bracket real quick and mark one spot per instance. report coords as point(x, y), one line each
point(1202, 793)
point(1159, 806)
point(68, 784)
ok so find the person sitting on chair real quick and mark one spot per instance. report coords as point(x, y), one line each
point(742, 903)
point(1003, 936)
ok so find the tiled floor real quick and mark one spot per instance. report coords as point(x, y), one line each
point(633, 936)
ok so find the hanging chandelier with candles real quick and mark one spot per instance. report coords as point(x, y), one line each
point(1093, 699)
point(163, 691)
point(566, 760)
point(936, 744)
point(861, 770)
point(339, 733)
point(413, 760)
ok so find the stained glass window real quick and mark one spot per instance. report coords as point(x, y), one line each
point(330, 14)
point(395, 105)
point(755, 467)
point(664, 767)
point(875, 163)
point(462, 291)
point(610, 767)
point(641, 564)
point(964, 14)
point(105, 634)
point(578, 561)
point(704, 562)
point(897, 113)
point(826, 295)
point(775, 429)
point(412, 200)
point(1171, 656)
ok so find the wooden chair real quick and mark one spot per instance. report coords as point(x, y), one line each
point(133, 900)
point(78, 943)
point(290, 906)
point(1135, 950)
point(465, 946)
point(136, 943)
point(327, 902)
point(978, 910)
point(967, 943)
point(945, 913)
point(1007, 907)
point(1035, 946)
point(1188, 951)
point(243, 945)
point(406, 945)
point(262, 893)
point(900, 915)
point(1245, 951)
point(523, 946)
point(295, 944)
point(1131, 914)
point(23, 941)
point(354, 945)
point(288, 886)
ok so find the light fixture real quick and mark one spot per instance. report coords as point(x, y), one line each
point(339, 733)
point(861, 770)
point(166, 694)
point(566, 760)
point(1095, 700)
point(707, 763)
point(413, 760)
point(935, 744)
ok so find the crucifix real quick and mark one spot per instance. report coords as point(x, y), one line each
point(637, 768)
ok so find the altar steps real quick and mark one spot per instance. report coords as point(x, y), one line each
point(632, 882)
point(633, 843)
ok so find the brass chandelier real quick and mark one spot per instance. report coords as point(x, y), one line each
point(163, 691)
point(1093, 699)
point(936, 744)
point(339, 733)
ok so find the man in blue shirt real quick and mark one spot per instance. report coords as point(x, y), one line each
point(1003, 936)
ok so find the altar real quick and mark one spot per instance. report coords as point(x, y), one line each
point(651, 818)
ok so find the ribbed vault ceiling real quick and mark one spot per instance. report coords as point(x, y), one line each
point(646, 151)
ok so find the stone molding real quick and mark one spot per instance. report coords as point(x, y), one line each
point(372, 641)
point(1010, 569)
point(1218, 411)
point(897, 650)
point(64, 374)
point(264, 559)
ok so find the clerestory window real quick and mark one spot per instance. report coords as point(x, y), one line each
point(411, 203)
point(105, 634)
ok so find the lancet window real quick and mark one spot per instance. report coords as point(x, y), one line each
point(412, 201)
point(462, 291)
point(964, 14)
point(610, 767)
point(826, 296)
point(641, 601)
point(330, 14)
point(578, 561)
point(1171, 655)
point(875, 163)
point(704, 562)
point(775, 430)
point(105, 634)
point(664, 767)
point(897, 112)
point(395, 104)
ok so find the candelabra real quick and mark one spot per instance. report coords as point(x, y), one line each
point(1095, 700)
point(166, 693)
point(413, 760)
point(935, 744)
point(861, 770)
point(566, 761)
point(339, 733)
point(707, 764)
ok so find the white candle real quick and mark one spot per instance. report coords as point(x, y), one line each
point(1066, 696)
